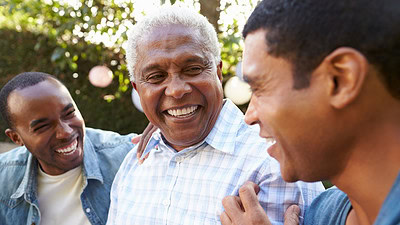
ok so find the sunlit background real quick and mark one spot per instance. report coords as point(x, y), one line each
point(82, 43)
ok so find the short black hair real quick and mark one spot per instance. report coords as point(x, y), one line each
point(21, 81)
point(305, 31)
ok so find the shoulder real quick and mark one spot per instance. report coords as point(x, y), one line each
point(390, 210)
point(14, 157)
point(102, 139)
point(330, 207)
point(12, 169)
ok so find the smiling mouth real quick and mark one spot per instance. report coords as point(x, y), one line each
point(68, 150)
point(271, 140)
point(183, 112)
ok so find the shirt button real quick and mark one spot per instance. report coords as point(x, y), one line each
point(88, 210)
point(165, 202)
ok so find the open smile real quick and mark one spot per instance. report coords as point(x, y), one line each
point(183, 112)
point(69, 149)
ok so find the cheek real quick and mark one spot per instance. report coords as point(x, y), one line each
point(150, 99)
point(38, 147)
point(211, 89)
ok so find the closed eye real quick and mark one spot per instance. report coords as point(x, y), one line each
point(41, 127)
point(193, 70)
point(70, 114)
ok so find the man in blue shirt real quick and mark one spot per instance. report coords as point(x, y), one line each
point(62, 173)
point(325, 77)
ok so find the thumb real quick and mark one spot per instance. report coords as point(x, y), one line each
point(292, 215)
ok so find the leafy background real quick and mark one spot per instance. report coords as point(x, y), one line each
point(57, 37)
point(67, 39)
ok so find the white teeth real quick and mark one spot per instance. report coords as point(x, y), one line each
point(185, 111)
point(69, 149)
point(271, 140)
point(182, 112)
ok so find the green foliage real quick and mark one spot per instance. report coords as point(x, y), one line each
point(231, 51)
point(73, 29)
point(18, 54)
point(48, 36)
point(67, 40)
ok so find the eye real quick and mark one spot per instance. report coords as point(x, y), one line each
point(41, 127)
point(70, 114)
point(193, 70)
point(155, 78)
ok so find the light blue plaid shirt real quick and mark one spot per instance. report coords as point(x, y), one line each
point(187, 187)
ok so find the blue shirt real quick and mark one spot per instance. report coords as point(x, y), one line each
point(390, 210)
point(330, 208)
point(333, 206)
point(187, 187)
point(103, 154)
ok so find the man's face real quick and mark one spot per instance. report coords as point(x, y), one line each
point(49, 124)
point(179, 85)
point(298, 120)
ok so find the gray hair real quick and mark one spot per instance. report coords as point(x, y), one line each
point(167, 15)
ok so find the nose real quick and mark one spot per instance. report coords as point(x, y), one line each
point(63, 130)
point(251, 117)
point(177, 88)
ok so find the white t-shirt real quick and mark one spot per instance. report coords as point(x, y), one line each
point(59, 198)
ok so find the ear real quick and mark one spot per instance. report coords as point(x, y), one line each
point(133, 85)
point(347, 69)
point(219, 70)
point(14, 136)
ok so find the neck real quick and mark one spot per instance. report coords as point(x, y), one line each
point(373, 167)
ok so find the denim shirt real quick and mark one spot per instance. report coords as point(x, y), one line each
point(104, 152)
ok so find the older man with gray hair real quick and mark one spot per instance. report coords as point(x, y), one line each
point(203, 150)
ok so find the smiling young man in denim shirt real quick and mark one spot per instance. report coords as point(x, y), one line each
point(62, 173)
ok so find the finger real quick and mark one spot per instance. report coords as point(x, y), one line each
point(141, 161)
point(136, 139)
point(233, 207)
point(292, 215)
point(248, 196)
point(225, 220)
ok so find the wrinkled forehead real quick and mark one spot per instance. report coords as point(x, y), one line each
point(169, 31)
point(170, 43)
point(168, 38)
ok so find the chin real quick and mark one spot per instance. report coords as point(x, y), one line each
point(289, 178)
point(288, 174)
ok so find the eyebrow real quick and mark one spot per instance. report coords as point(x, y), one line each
point(36, 122)
point(70, 105)
point(150, 68)
point(196, 59)
point(42, 120)
point(186, 61)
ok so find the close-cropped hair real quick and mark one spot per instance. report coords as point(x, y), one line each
point(19, 82)
point(304, 32)
point(172, 15)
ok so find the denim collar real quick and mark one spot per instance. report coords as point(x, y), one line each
point(28, 186)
